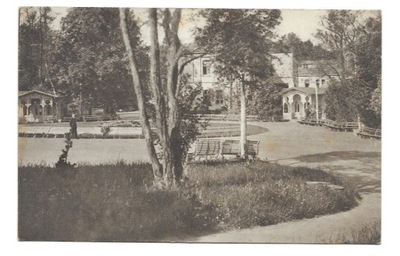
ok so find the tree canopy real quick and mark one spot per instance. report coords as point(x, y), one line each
point(240, 39)
point(90, 59)
point(356, 44)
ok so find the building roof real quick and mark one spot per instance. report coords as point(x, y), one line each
point(23, 93)
point(275, 79)
point(317, 68)
point(306, 90)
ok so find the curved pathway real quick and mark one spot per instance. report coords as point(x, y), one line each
point(343, 153)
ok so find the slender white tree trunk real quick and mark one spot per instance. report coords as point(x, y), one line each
point(137, 88)
point(243, 120)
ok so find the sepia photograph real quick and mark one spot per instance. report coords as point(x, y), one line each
point(199, 125)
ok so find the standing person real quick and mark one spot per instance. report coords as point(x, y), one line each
point(74, 126)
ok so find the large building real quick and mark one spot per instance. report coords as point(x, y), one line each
point(218, 92)
point(305, 83)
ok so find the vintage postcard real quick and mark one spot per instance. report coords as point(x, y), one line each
point(199, 125)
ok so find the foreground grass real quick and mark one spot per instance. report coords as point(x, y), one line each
point(262, 194)
point(370, 234)
point(114, 202)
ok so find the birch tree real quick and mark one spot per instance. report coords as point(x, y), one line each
point(168, 144)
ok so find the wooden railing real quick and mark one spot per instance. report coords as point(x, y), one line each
point(367, 132)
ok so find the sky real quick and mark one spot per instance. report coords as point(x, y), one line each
point(304, 23)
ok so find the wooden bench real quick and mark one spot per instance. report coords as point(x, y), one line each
point(232, 147)
point(367, 132)
point(216, 149)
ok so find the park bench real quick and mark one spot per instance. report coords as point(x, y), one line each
point(232, 147)
point(216, 149)
point(367, 132)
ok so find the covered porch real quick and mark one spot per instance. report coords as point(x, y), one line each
point(38, 107)
point(297, 101)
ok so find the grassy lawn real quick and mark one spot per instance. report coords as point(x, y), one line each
point(116, 202)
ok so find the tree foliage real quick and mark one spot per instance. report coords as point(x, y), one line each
point(302, 50)
point(266, 101)
point(356, 44)
point(240, 40)
point(34, 48)
point(90, 60)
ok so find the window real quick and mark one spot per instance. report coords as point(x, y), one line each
point(206, 67)
point(317, 82)
point(307, 83)
point(219, 97)
point(285, 108)
point(304, 65)
point(296, 107)
point(322, 81)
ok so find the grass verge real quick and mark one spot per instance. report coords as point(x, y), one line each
point(370, 234)
point(114, 202)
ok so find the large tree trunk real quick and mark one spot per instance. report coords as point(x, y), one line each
point(164, 95)
point(159, 96)
point(171, 27)
point(137, 86)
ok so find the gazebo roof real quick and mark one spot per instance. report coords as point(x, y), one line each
point(24, 93)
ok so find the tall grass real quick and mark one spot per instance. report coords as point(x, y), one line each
point(370, 234)
point(100, 203)
point(113, 203)
point(265, 194)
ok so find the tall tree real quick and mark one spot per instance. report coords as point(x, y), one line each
point(240, 40)
point(302, 50)
point(35, 38)
point(339, 35)
point(356, 43)
point(89, 61)
point(174, 128)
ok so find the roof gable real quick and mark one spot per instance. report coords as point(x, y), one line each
point(306, 90)
point(24, 93)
